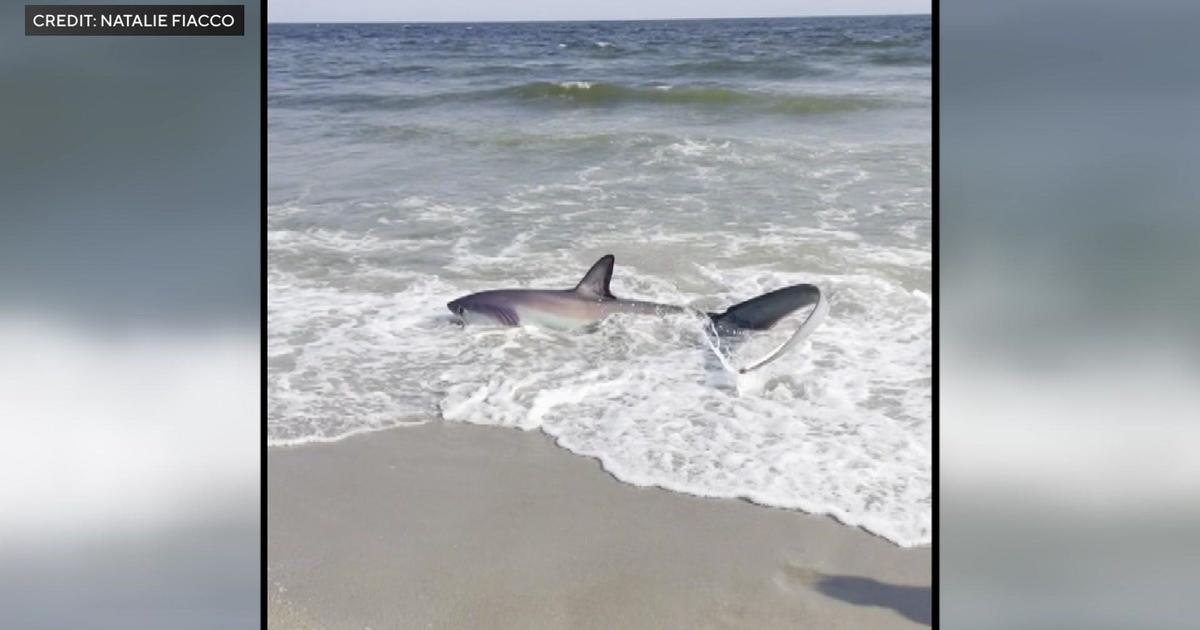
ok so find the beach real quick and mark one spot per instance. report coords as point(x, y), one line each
point(717, 160)
point(449, 525)
point(425, 474)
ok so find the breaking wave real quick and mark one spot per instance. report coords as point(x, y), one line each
point(585, 93)
point(595, 94)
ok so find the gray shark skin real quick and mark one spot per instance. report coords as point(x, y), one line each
point(591, 301)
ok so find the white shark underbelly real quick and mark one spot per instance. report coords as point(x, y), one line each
point(551, 319)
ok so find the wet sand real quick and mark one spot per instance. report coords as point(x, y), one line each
point(450, 525)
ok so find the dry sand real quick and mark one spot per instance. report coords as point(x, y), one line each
point(458, 526)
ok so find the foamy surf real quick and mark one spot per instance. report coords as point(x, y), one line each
point(836, 426)
point(828, 430)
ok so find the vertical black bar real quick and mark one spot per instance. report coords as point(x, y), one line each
point(936, 295)
point(262, 209)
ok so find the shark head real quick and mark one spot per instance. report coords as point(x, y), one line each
point(488, 307)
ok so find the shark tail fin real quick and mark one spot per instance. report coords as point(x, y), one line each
point(766, 310)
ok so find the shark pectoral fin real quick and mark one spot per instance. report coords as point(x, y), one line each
point(595, 282)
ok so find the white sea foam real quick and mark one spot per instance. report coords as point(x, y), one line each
point(839, 426)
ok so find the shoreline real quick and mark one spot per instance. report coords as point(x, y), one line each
point(457, 525)
point(285, 446)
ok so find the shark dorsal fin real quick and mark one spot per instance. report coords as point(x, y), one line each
point(595, 281)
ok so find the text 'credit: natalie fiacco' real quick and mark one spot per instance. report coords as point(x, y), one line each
point(135, 19)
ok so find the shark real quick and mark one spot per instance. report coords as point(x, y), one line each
point(592, 300)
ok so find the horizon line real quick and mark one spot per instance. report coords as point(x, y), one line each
point(552, 21)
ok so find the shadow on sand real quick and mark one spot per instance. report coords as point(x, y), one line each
point(914, 602)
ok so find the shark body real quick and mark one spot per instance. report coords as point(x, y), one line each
point(589, 302)
point(592, 301)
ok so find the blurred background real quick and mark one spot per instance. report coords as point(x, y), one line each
point(1069, 366)
point(129, 330)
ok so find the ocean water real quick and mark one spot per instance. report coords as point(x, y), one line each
point(410, 164)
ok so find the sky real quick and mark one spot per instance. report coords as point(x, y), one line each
point(520, 10)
